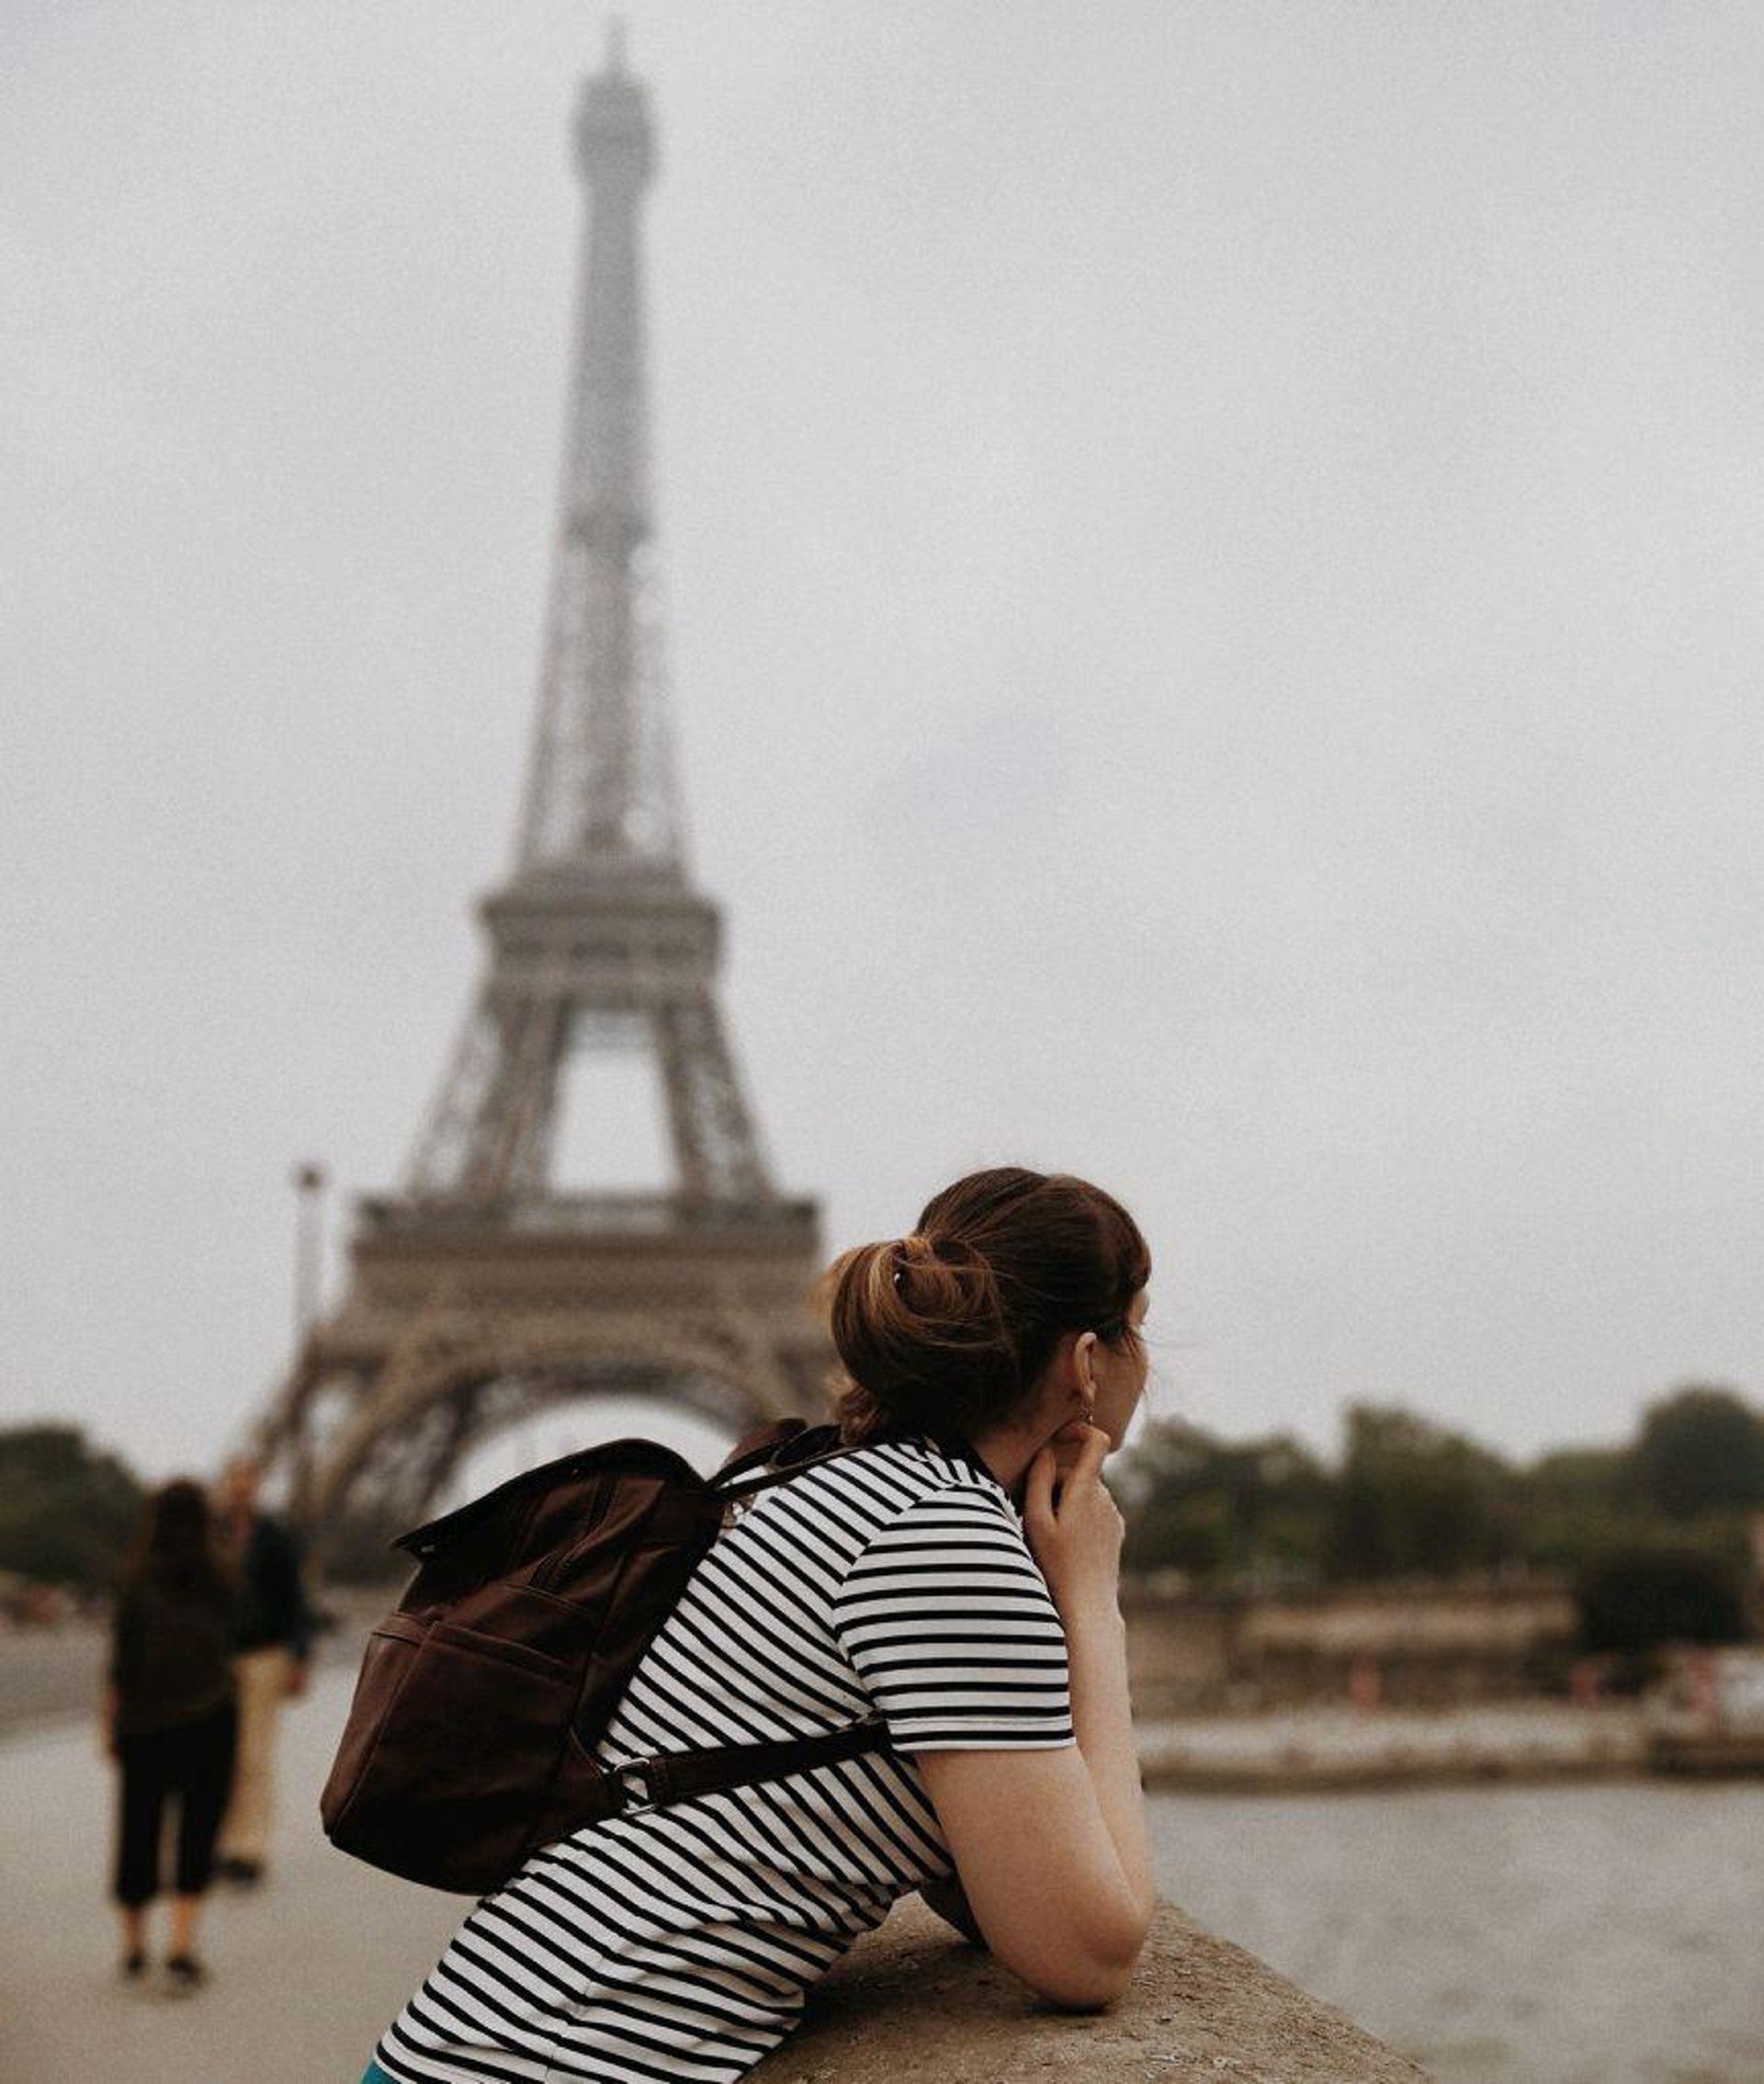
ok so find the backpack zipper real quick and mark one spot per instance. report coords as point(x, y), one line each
point(554, 1565)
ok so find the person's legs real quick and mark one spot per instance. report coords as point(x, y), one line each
point(140, 1764)
point(204, 1777)
point(182, 1932)
point(244, 1832)
point(204, 1783)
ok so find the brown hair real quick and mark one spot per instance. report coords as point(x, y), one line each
point(175, 1548)
point(946, 1330)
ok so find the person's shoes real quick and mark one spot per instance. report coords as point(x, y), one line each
point(134, 1967)
point(183, 1974)
point(242, 1874)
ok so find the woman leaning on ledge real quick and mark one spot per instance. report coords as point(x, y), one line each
point(957, 1576)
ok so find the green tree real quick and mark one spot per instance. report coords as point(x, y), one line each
point(1256, 1508)
point(1578, 1503)
point(1414, 1500)
point(1640, 1596)
point(68, 1510)
point(1701, 1450)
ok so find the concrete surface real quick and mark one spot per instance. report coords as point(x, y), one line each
point(307, 1970)
point(911, 2002)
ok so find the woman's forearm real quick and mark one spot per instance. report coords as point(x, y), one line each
point(1096, 1646)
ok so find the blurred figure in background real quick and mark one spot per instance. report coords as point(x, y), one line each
point(169, 1720)
point(274, 1624)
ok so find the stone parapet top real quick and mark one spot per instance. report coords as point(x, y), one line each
point(914, 2001)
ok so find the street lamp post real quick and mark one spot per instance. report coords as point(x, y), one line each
point(309, 1238)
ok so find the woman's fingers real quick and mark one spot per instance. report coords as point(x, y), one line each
point(1074, 1526)
point(1064, 1446)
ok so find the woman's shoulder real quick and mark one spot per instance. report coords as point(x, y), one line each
point(906, 1491)
point(900, 1472)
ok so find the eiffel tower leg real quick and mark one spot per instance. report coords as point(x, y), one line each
point(519, 1159)
point(490, 1132)
point(291, 1441)
point(718, 1151)
point(439, 1164)
point(431, 1471)
point(281, 1440)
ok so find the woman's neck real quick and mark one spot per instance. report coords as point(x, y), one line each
point(1007, 1453)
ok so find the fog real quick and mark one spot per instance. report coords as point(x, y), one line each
point(1214, 616)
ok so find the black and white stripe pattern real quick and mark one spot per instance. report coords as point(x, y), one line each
point(677, 1943)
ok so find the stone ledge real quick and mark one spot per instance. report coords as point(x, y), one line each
point(914, 2002)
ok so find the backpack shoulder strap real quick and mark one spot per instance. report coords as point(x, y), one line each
point(759, 1472)
point(754, 1450)
point(757, 1463)
point(676, 1776)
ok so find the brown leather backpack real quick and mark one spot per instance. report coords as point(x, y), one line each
point(481, 1697)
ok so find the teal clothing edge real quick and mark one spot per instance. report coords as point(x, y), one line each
point(374, 2074)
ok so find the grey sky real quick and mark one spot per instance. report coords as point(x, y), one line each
point(1214, 558)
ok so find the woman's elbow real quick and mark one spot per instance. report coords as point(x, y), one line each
point(1090, 1977)
point(1079, 1986)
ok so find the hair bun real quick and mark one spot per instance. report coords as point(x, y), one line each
point(918, 1322)
point(943, 1277)
point(913, 1249)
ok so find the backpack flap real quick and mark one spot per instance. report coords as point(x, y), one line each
point(436, 1537)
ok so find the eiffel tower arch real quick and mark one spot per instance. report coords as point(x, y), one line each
point(483, 1292)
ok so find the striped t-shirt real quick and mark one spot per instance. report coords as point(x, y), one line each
point(678, 1942)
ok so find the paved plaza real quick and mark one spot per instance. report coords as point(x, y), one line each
point(305, 1972)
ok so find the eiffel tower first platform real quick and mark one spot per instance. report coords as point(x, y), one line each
point(480, 1293)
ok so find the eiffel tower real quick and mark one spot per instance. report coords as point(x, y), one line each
point(482, 1293)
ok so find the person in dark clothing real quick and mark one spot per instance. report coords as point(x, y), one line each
point(270, 1658)
point(169, 1720)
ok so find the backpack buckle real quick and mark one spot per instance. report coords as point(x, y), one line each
point(633, 1783)
point(645, 1783)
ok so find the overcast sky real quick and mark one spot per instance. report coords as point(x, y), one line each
point(1214, 558)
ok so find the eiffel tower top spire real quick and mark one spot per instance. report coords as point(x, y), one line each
point(600, 795)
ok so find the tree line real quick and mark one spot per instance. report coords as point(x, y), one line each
point(1654, 1534)
point(68, 1509)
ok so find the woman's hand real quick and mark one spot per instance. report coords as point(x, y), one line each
point(1074, 1527)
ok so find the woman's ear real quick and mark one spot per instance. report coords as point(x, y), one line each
point(1084, 1368)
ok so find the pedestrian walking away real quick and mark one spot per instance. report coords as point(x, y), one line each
point(274, 1632)
point(168, 1720)
point(954, 1578)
